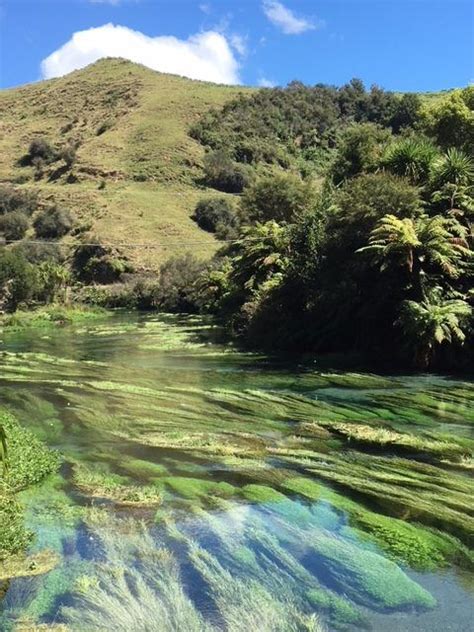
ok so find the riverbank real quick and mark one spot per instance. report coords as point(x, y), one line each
point(54, 314)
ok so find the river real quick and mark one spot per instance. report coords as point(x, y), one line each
point(204, 488)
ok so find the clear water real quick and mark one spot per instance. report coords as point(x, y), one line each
point(160, 403)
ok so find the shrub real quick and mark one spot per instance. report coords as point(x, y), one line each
point(282, 198)
point(95, 263)
point(217, 215)
point(178, 286)
point(224, 174)
point(53, 223)
point(18, 280)
point(41, 148)
point(14, 225)
point(15, 199)
point(37, 252)
point(69, 154)
point(359, 151)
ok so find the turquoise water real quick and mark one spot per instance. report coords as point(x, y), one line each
point(204, 488)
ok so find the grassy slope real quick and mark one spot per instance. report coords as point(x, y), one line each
point(150, 164)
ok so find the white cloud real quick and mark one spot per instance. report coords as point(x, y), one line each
point(285, 19)
point(205, 8)
point(207, 55)
point(239, 43)
point(263, 82)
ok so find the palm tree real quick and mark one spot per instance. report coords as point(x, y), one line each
point(432, 323)
point(411, 158)
point(454, 167)
point(415, 244)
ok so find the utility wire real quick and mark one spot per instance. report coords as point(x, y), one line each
point(129, 245)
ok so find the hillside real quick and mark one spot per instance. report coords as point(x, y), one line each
point(132, 124)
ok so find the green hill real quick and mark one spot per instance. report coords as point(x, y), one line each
point(132, 124)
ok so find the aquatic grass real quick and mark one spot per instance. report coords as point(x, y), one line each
point(386, 437)
point(51, 315)
point(197, 488)
point(29, 459)
point(97, 484)
point(367, 577)
point(28, 565)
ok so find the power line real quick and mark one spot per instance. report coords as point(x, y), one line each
point(129, 245)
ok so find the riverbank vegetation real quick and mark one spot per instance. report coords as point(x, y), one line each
point(348, 216)
point(26, 461)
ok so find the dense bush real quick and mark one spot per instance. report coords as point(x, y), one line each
point(224, 174)
point(41, 148)
point(17, 199)
point(18, 280)
point(94, 262)
point(359, 150)
point(279, 197)
point(178, 288)
point(53, 223)
point(14, 225)
point(217, 215)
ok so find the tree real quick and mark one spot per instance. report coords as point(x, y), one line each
point(279, 197)
point(53, 278)
point(454, 167)
point(14, 225)
point(451, 121)
point(407, 112)
point(418, 245)
point(18, 280)
point(178, 289)
point(359, 151)
point(411, 158)
point(432, 323)
point(52, 223)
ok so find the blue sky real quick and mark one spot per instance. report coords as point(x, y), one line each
point(398, 44)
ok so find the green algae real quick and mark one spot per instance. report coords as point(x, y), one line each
point(197, 488)
point(367, 577)
point(339, 610)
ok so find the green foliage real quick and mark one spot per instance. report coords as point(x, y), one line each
point(18, 279)
point(359, 150)
point(279, 198)
point(451, 120)
point(3, 450)
point(14, 225)
point(217, 215)
point(53, 223)
point(223, 174)
point(29, 459)
point(17, 200)
point(14, 538)
point(95, 263)
point(178, 288)
point(432, 323)
point(412, 158)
